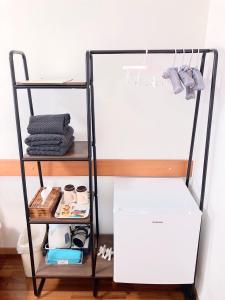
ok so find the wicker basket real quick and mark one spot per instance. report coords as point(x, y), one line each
point(37, 210)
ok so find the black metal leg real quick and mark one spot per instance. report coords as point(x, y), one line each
point(209, 125)
point(194, 125)
point(28, 228)
point(40, 287)
point(32, 113)
point(40, 173)
point(207, 142)
point(95, 287)
point(189, 292)
point(94, 147)
point(89, 133)
point(22, 166)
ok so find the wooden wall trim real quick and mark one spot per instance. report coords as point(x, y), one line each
point(7, 251)
point(106, 167)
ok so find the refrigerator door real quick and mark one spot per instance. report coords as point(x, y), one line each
point(154, 246)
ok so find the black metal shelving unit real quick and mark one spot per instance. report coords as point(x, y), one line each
point(86, 151)
point(82, 151)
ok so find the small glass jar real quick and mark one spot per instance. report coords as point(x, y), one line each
point(69, 194)
point(82, 195)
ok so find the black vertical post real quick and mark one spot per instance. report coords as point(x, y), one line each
point(17, 116)
point(207, 143)
point(209, 125)
point(32, 113)
point(89, 134)
point(94, 145)
point(194, 125)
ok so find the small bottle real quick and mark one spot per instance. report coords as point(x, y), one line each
point(69, 194)
point(82, 195)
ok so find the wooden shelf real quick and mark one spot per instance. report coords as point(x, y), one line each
point(65, 271)
point(54, 220)
point(78, 151)
point(51, 84)
point(104, 268)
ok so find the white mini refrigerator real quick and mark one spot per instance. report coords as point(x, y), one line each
point(156, 231)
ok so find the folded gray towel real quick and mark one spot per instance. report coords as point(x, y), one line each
point(48, 124)
point(45, 139)
point(50, 150)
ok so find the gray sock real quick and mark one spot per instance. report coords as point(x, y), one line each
point(185, 77)
point(190, 92)
point(172, 74)
point(199, 82)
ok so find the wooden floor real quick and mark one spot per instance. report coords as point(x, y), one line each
point(14, 286)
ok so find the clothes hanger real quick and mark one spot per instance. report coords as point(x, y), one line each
point(192, 52)
point(143, 67)
point(182, 60)
point(198, 56)
point(174, 57)
point(138, 68)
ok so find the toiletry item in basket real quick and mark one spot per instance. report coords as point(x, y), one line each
point(64, 257)
point(59, 236)
point(69, 194)
point(80, 235)
point(82, 195)
point(44, 194)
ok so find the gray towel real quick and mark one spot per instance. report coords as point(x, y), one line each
point(50, 150)
point(60, 140)
point(48, 124)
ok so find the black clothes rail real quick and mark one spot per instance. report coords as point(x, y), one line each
point(152, 51)
point(189, 290)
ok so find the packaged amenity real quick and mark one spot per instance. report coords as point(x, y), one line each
point(59, 236)
point(80, 235)
point(65, 236)
point(64, 257)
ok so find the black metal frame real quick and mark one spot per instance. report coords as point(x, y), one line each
point(93, 188)
point(91, 159)
point(188, 289)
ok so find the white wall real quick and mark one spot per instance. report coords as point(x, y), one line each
point(132, 121)
point(211, 267)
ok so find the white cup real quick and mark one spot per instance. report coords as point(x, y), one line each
point(82, 195)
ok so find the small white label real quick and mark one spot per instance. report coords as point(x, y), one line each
point(157, 222)
point(62, 262)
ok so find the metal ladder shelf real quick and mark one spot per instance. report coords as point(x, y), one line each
point(82, 151)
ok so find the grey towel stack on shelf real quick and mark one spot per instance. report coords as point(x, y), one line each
point(49, 135)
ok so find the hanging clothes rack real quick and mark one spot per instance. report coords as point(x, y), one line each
point(188, 290)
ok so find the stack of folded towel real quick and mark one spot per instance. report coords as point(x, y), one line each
point(49, 135)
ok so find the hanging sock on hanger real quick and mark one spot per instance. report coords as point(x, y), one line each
point(199, 82)
point(197, 75)
point(172, 74)
point(185, 74)
point(190, 92)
